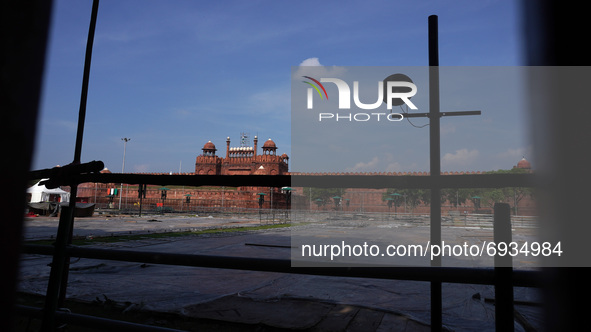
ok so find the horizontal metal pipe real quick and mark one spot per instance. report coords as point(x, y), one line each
point(442, 274)
point(67, 170)
point(92, 321)
point(426, 115)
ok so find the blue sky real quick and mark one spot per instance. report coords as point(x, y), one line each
point(172, 75)
point(327, 137)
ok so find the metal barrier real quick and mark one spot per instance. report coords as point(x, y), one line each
point(504, 279)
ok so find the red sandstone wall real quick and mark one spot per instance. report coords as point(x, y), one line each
point(369, 200)
point(242, 197)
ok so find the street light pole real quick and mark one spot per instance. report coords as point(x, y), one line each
point(125, 140)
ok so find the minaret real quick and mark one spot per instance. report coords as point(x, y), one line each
point(228, 147)
point(255, 145)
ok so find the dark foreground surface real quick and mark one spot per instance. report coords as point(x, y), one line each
point(190, 298)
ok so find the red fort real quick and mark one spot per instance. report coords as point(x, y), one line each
point(242, 160)
point(246, 160)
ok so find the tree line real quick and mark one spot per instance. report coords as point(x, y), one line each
point(480, 198)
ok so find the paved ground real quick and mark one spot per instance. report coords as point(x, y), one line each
point(288, 301)
point(107, 225)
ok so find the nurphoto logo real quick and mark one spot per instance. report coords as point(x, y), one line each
point(395, 90)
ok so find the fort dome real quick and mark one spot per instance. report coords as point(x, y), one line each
point(523, 163)
point(270, 144)
point(209, 146)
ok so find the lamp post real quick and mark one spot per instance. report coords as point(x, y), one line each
point(319, 202)
point(163, 194)
point(187, 201)
point(261, 202)
point(404, 195)
point(389, 202)
point(287, 191)
point(125, 140)
point(476, 202)
point(337, 200)
point(271, 189)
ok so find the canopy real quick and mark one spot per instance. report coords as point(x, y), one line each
point(40, 193)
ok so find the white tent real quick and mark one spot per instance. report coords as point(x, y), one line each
point(40, 193)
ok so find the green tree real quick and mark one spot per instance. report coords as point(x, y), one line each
point(323, 196)
point(511, 195)
point(412, 197)
point(491, 196)
point(514, 195)
point(456, 196)
point(393, 198)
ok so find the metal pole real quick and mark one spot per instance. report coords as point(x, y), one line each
point(125, 139)
point(58, 266)
point(142, 190)
point(504, 320)
point(477, 276)
point(435, 166)
point(85, 78)
point(58, 278)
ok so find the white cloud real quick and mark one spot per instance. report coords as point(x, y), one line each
point(512, 156)
point(365, 167)
point(394, 167)
point(313, 67)
point(516, 154)
point(461, 158)
point(310, 62)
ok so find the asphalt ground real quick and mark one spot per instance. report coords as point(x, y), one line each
point(278, 300)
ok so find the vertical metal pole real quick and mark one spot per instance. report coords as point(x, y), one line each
point(57, 268)
point(85, 78)
point(435, 167)
point(504, 320)
point(141, 197)
point(271, 205)
point(58, 278)
point(125, 140)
